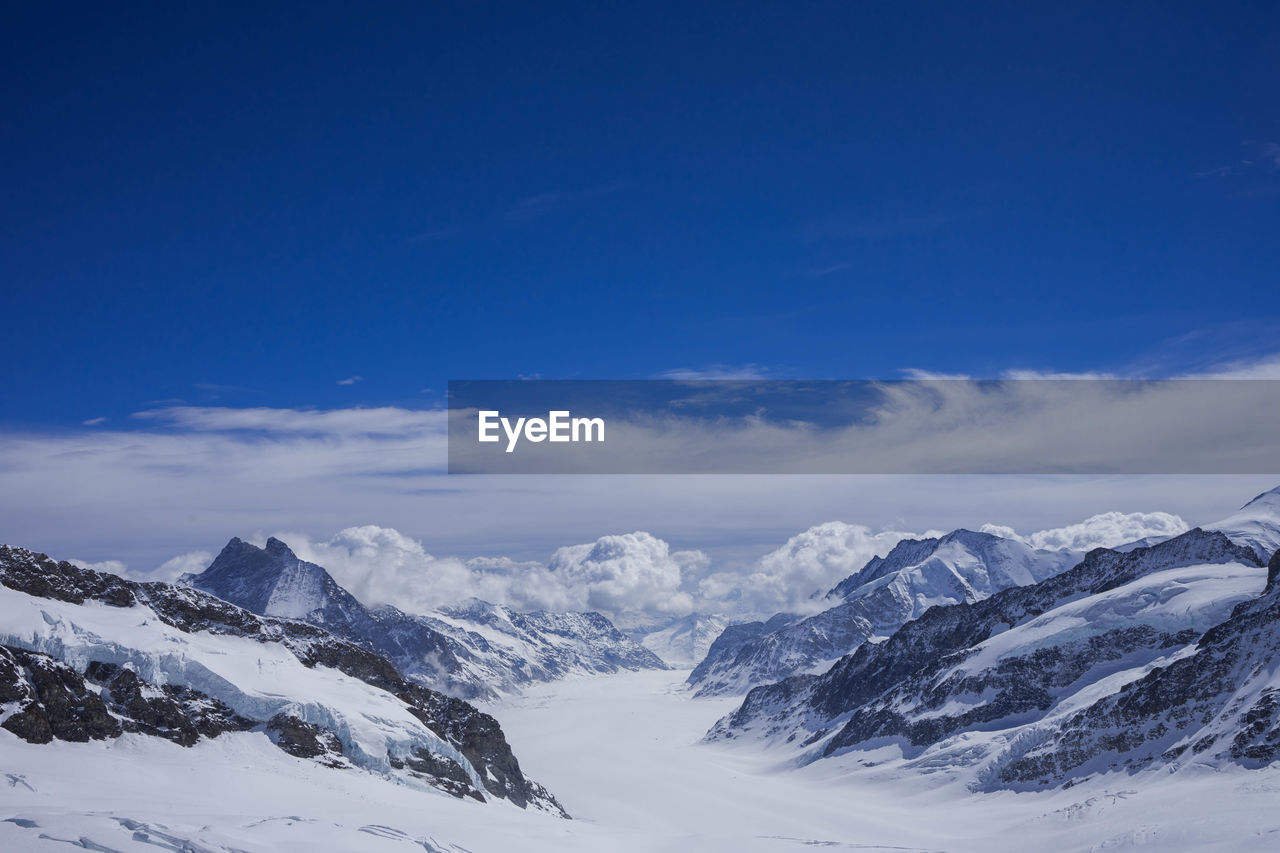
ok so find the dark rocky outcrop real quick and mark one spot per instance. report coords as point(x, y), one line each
point(52, 700)
point(173, 712)
point(57, 702)
point(305, 740)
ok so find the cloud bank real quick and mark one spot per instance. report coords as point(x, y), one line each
point(638, 578)
point(183, 480)
point(1105, 530)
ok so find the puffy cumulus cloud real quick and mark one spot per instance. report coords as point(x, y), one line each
point(1105, 530)
point(634, 572)
point(381, 565)
point(190, 563)
point(628, 572)
point(114, 567)
point(809, 564)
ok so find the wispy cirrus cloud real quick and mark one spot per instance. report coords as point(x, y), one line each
point(716, 372)
point(387, 421)
point(551, 202)
point(1251, 173)
point(351, 380)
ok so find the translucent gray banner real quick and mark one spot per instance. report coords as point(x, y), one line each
point(928, 426)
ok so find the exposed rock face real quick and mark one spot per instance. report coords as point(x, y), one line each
point(305, 740)
point(1222, 701)
point(1006, 662)
point(722, 656)
point(176, 713)
point(47, 698)
point(272, 581)
point(888, 592)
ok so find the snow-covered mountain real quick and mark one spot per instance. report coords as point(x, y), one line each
point(88, 656)
point(473, 650)
point(505, 648)
point(1220, 701)
point(1037, 683)
point(872, 603)
point(1257, 524)
point(685, 641)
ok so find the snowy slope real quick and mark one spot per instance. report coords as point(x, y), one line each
point(472, 650)
point(272, 581)
point(1219, 702)
point(888, 592)
point(970, 689)
point(621, 751)
point(685, 641)
point(507, 649)
point(69, 635)
point(1257, 524)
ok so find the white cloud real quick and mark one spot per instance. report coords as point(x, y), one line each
point(631, 571)
point(718, 372)
point(194, 477)
point(114, 567)
point(94, 421)
point(1105, 530)
point(351, 380)
point(193, 562)
point(385, 421)
point(809, 564)
point(380, 565)
point(1260, 368)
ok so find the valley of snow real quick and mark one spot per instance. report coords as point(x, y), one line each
point(623, 754)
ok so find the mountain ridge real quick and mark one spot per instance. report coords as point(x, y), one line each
point(475, 650)
point(89, 655)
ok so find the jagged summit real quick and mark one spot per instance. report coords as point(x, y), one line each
point(273, 581)
point(473, 649)
point(885, 594)
point(1113, 663)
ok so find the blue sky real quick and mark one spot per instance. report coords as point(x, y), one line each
point(240, 206)
point(244, 246)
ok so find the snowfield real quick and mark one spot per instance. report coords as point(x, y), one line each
point(623, 755)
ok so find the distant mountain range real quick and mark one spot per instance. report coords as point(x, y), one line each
point(473, 649)
point(1163, 652)
point(872, 603)
point(967, 654)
